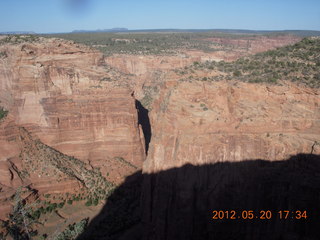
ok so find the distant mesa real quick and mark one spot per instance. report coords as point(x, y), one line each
point(103, 30)
point(18, 32)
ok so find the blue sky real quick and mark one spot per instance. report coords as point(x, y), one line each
point(44, 16)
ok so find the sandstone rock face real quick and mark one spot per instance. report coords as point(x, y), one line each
point(207, 139)
point(140, 65)
point(148, 71)
point(201, 123)
point(66, 97)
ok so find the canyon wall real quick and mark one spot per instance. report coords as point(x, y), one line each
point(201, 123)
point(66, 97)
point(231, 146)
point(256, 44)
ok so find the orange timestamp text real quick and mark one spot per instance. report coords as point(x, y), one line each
point(262, 214)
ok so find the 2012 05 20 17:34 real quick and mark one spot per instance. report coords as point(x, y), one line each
point(262, 214)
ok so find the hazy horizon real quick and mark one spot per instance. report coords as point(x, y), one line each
point(164, 30)
point(53, 16)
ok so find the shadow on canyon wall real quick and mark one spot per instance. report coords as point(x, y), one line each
point(178, 203)
point(143, 120)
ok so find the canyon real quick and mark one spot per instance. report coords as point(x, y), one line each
point(79, 121)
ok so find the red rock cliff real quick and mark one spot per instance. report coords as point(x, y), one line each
point(208, 144)
point(67, 98)
point(201, 123)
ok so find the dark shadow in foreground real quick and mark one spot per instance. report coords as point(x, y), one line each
point(179, 203)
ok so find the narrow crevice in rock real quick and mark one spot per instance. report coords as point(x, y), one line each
point(143, 120)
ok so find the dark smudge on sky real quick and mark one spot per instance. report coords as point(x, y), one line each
point(78, 7)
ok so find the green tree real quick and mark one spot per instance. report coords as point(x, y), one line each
point(3, 113)
point(95, 201)
point(21, 219)
point(237, 73)
point(73, 230)
point(89, 203)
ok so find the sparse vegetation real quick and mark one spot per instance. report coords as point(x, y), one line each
point(149, 93)
point(298, 63)
point(17, 39)
point(3, 113)
point(3, 54)
point(165, 43)
point(122, 160)
point(19, 225)
point(73, 230)
point(91, 179)
point(95, 186)
point(88, 203)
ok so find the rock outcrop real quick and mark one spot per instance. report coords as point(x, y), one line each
point(65, 96)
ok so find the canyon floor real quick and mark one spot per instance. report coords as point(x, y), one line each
point(145, 135)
